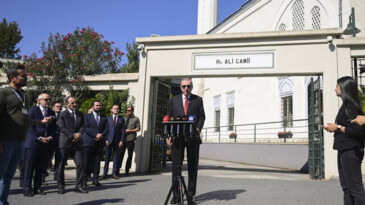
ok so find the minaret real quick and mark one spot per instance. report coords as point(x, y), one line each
point(207, 15)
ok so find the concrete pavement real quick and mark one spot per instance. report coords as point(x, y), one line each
point(218, 183)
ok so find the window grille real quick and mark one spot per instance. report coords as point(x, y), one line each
point(282, 27)
point(217, 120)
point(287, 111)
point(230, 118)
point(298, 15)
point(316, 17)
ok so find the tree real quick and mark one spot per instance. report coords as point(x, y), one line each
point(108, 98)
point(66, 59)
point(10, 36)
point(132, 66)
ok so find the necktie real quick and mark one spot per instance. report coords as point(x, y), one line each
point(97, 119)
point(115, 121)
point(186, 104)
point(73, 118)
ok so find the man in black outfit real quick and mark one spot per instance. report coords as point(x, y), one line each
point(185, 105)
point(95, 131)
point(71, 125)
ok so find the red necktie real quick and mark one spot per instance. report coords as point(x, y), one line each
point(115, 121)
point(186, 104)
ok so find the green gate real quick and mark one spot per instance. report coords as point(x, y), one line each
point(161, 97)
point(315, 131)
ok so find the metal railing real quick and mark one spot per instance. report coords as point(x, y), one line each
point(266, 132)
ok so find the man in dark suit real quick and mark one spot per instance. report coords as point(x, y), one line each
point(57, 108)
point(185, 105)
point(95, 130)
point(114, 140)
point(71, 125)
point(38, 146)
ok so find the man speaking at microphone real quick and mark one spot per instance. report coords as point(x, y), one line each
point(186, 104)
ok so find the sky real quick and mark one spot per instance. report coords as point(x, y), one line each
point(120, 21)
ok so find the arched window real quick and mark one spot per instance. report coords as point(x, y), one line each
point(316, 17)
point(286, 97)
point(298, 15)
point(282, 27)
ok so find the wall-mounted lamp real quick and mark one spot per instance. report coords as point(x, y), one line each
point(351, 28)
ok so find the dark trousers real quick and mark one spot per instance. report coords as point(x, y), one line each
point(78, 159)
point(92, 159)
point(57, 157)
point(349, 169)
point(110, 150)
point(177, 156)
point(129, 145)
point(35, 162)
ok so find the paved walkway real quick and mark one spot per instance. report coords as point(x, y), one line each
point(218, 183)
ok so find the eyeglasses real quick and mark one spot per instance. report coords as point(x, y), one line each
point(47, 99)
point(129, 110)
point(186, 86)
point(58, 106)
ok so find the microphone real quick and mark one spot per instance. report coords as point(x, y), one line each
point(166, 119)
point(178, 126)
point(172, 133)
point(191, 119)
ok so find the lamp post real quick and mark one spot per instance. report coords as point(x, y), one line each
point(351, 28)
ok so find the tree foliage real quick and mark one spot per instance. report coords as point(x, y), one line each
point(132, 66)
point(10, 36)
point(108, 98)
point(66, 59)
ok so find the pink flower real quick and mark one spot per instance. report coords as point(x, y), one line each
point(69, 34)
point(72, 81)
point(81, 68)
point(112, 42)
point(74, 54)
point(47, 64)
point(25, 56)
point(104, 49)
point(56, 36)
point(56, 58)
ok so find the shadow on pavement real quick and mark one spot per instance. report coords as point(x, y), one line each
point(101, 201)
point(220, 195)
point(268, 170)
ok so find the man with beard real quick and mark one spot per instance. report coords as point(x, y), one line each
point(14, 126)
point(93, 142)
point(38, 146)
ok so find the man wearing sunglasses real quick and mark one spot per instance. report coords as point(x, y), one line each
point(38, 146)
point(186, 104)
point(132, 126)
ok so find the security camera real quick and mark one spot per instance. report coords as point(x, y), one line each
point(140, 47)
point(329, 39)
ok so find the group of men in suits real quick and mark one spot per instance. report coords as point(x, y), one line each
point(72, 132)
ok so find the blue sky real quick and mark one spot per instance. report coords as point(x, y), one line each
point(120, 21)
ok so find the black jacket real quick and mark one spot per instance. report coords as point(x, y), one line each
point(354, 134)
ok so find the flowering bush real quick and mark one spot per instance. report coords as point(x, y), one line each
point(66, 59)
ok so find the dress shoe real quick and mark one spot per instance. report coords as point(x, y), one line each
point(81, 190)
point(173, 200)
point(39, 191)
point(115, 177)
point(127, 172)
point(96, 183)
point(102, 177)
point(28, 193)
point(61, 190)
point(190, 200)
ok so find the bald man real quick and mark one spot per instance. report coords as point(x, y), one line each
point(38, 145)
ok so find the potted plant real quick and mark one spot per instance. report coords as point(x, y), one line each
point(286, 134)
point(233, 135)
